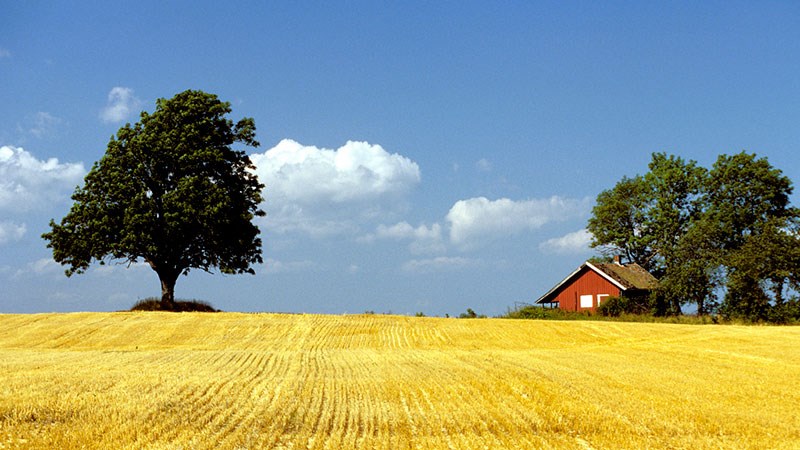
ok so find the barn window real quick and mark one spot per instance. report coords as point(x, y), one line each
point(587, 301)
point(601, 297)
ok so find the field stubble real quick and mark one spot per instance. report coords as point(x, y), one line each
point(177, 381)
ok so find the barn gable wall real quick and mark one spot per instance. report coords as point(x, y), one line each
point(586, 282)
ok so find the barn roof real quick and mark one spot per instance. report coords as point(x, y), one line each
point(624, 276)
point(630, 276)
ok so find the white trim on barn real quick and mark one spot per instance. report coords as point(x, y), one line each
point(605, 275)
point(575, 272)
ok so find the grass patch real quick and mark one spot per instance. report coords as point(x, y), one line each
point(154, 304)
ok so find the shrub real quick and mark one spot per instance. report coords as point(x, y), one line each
point(470, 314)
point(539, 312)
point(154, 304)
point(785, 313)
point(613, 307)
point(617, 306)
point(529, 312)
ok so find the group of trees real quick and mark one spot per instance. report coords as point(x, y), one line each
point(724, 239)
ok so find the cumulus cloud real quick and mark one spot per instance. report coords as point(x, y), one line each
point(321, 190)
point(121, 105)
point(10, 231)
point(353, 172)
point(438, 264)
point(478, 219)
point(27, 183)
point(403, 230)
point(575, 242)
point(424, 239)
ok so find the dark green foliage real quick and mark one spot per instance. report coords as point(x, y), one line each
point(612, 307)
point(785, 313)
point(743, 194)
point(754, 230)
point(617, 306)
point(170, 191)
point(729, 230)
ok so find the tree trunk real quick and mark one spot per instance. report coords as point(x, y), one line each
point(676, 308)
point(701, 307)
point(167, 294)
point(167, 290)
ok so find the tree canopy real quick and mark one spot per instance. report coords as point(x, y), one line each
point(727, 233)
point(170, 191)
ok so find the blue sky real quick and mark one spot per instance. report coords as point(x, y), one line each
point(419, 156)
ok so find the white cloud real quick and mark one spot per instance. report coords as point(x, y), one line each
point(27, 183)
point(121, 105)
point(424, 239)
point(403, 230)
point(317, 223)
point(11, 232)
point(479, 219)
point(324, 191)
point(273, 266)
point(44, 266)
point(356, 171)
point(438, 264)
point(575, 242)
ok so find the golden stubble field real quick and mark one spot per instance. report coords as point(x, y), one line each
point(183, 381)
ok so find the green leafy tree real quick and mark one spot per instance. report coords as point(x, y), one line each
point(693, 275)
point(743, 194)
point(170, 191)
point(764, 272)
point(749, 222)
point(643, 217)
point(618, 221)
point(675, 193)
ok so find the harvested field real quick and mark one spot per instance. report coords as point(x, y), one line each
point(229, 380)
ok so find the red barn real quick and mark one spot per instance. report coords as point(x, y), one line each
point(586, 287)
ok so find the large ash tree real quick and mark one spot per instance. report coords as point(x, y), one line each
point(170, 191)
